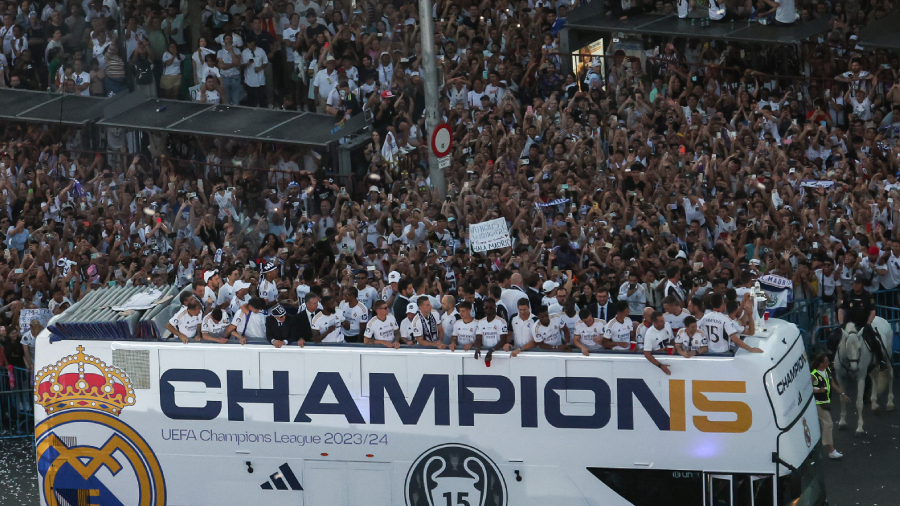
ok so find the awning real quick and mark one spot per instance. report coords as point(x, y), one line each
point(881, 34)
point(133, 111)
point(38, 106)
point(672, 26)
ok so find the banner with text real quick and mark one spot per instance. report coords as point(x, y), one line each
point(489, 235)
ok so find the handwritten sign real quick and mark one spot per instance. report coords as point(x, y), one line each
point(26, 315)
point(489, 235)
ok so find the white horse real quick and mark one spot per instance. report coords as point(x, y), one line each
point(853, 360)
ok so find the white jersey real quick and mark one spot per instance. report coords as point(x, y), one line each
point(426, 326)
point(676, 321)
point(550, 334)
point(406, 329)
point(521, 330)
point(619, 333)
point(448, 320)
point(491, 331)
point(717, 327)
point(251, 325)
point(590, 336)
point(367, 296)
point(185, 323)
point(656, 339)
point(214, 328)
point(355, 315)
point(322, 321)
point(268, 290)
point(382, 330)
point(692, 342)
point(569, 322)
point(465, 332)
point(639, 334)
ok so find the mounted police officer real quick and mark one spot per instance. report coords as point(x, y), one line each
point(858, 308)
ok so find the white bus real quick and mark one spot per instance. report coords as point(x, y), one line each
point(156, 423)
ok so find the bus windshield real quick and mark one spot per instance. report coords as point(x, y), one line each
point(806, 485)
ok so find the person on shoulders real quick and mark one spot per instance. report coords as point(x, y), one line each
point(657, 339)
point(690, 340)
point(588, 333)
point(383, 328)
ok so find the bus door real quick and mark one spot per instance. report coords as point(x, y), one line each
point(343, 483)
point(739, 489)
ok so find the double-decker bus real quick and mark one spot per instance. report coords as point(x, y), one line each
point(157, 422)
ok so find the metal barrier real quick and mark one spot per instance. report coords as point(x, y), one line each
point(16, 403)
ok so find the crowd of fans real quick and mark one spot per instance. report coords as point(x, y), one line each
point(644, 193)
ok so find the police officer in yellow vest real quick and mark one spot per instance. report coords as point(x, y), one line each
point(823, 383)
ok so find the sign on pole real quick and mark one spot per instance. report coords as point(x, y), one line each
point(441, 140)
point(489, 235)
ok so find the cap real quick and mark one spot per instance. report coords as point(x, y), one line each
point(329, 58)
point(209, 274)
point(268, 267)
point(386, 94)
point(681, 254)
point(373, 189)
point(412, 308)
point(549, 286)
point(873, 250)
point(393, 277)
point(240, 285)
point(277, 310)
point(859, 278)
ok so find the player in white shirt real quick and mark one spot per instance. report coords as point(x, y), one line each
point(641, 330)
point(465, 328)
point(492, 331)
point(383, 328)
point(521, 325)
point(657, 337)
point(569, 317)
point(618, 332)
point(365, 292)
point(426, 325)
point(721, 330)
point(267, 289)
point(354, 315)
point(326, 326)
point(449, 318)
point(406, 328)
point(185, 321)
point(675, 313)
point(690, 340)
point(547, 333)
point(214, 326)
point(589, 332)
point(248, 321)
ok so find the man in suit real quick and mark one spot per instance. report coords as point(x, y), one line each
point(282, 328)
point(606, 309)
point(533, 292)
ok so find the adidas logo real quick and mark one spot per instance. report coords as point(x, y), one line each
point(283, 479)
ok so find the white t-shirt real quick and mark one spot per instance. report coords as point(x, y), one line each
point(718, 327)
point(382, 330)
point(550, 334)
point(522, 330)
point(268, 289)
point(619, 333)
point(491, 331)
point(655, 339)
point(406, 329)
point(322, 321)
point(185, 323)
point(590, 336)
point(692, 342)
point(355, 315)
point(420, 320)
point(785, 12)
point(252, 78)
point(465, 332)
point(367, 296)
point(172, 64)
point(213, 328)
point(676, 321)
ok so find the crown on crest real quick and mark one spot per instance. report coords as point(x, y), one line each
point(81, 381)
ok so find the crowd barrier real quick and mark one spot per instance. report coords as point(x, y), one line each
point(16, 403)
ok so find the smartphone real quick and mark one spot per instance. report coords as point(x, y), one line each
point(370, 268)
point(403, 207)
point(18, 271)
point(343, 190)
point(529, 110)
